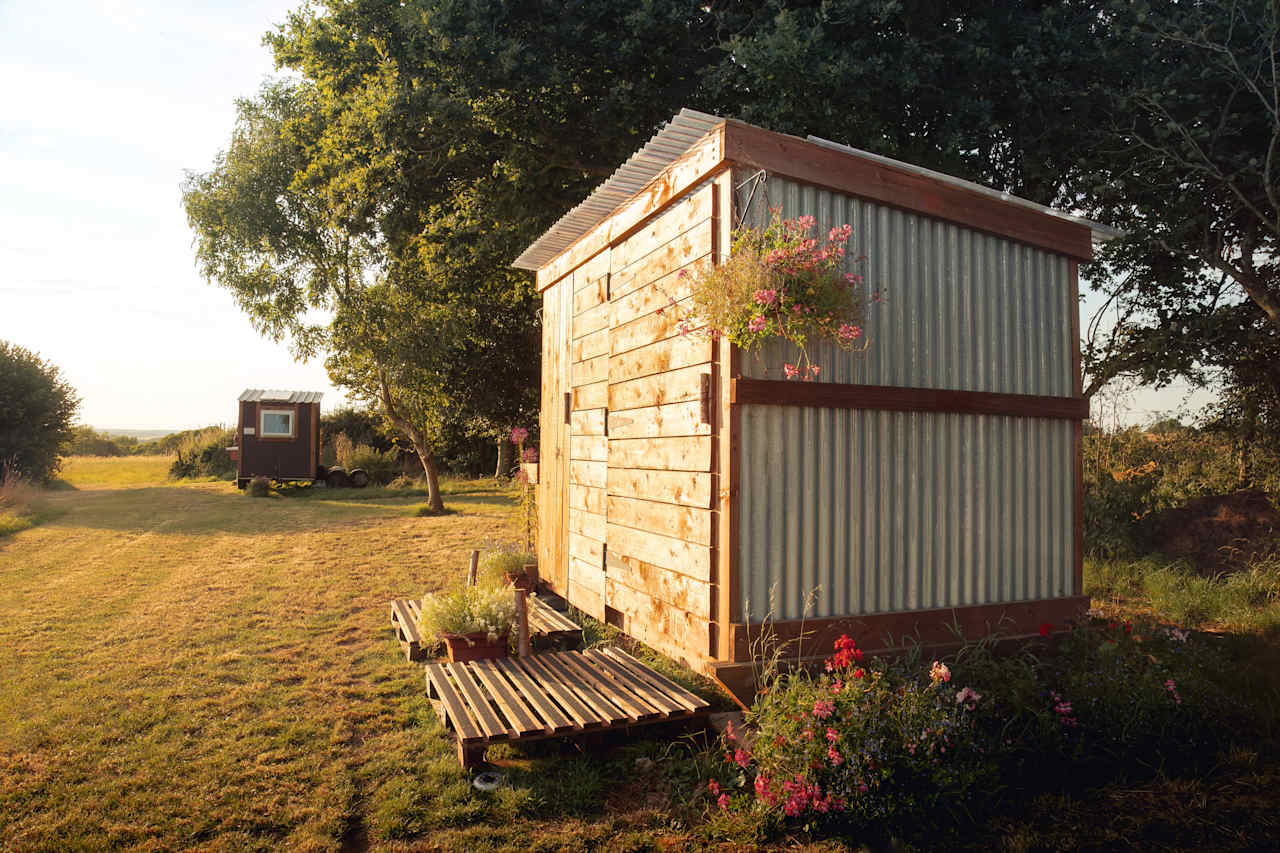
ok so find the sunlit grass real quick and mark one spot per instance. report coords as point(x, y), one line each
point(114, 472)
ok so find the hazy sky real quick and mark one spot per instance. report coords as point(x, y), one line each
point(102, 107)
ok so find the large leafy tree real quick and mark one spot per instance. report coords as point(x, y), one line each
point(36, 418)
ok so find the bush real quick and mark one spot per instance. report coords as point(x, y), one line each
point(259, 487)
point(381, 466)
point(37, 408)
point(203, 453)
point(19, 501)
point(86, 441)
point(886, 745)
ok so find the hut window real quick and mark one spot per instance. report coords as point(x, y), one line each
point(277, 423)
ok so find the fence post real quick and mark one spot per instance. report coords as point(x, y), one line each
point(473, 568)
point(522, 622)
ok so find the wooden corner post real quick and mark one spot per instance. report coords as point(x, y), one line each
point(725, 602)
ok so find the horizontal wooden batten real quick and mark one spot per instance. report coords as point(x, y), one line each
point(678, 590)
point(677, 453)
point(683, 522)
point(675, 554)
point(864, 177)
point(676, 487)
point(659, 421)
point(833, 395)
point(876, 632)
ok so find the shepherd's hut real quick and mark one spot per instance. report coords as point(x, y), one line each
point(688, 493)
point(278, 436)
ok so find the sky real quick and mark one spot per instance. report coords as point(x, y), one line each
point(102, 108)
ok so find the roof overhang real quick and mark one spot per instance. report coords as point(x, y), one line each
point(616, 208)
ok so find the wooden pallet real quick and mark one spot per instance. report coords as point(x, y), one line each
point(553, 694)
point(547, 627)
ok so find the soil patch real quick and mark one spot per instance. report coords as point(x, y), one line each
point(1218, 533)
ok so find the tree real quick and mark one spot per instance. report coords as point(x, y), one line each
point(37, 415)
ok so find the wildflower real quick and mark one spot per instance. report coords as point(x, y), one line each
point(1176, 635)
point(729, 733)
point(518, 435)
point(530, 455)
point(939, 673)
point(837, 685)
point(723, 802)
point(765, 296)
point(848, 332)
point(757, 323)
point(790, 370)
point(1172, 687)
point(834, 756)
point(1046, 628)
point(859, 673)
point(823, 708)
point(741, 757)
point(968, 697)
point(714, 787)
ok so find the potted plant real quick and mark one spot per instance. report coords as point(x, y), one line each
point(510, 565)
point(474, 622)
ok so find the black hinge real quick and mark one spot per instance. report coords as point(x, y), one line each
point(604, 558)
point(706, 398)
point(606, 423)
point(568, 403)
point(608, 286)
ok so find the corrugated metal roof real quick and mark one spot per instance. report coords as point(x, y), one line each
point(275, 395)
point(676, 137)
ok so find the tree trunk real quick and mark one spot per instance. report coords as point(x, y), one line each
point(435, 502)
point(504, 458)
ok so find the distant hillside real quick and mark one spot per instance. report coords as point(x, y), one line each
point(140, 434)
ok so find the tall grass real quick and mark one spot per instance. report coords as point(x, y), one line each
point(204, 453)
point(19, 500)
point(1246, 600)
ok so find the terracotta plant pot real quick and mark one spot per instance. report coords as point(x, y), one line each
point(464, 647)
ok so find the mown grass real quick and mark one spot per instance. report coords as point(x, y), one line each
point(187, 667)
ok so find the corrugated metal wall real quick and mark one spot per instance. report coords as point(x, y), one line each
point(881, 511)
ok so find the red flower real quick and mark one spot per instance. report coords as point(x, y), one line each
point(1045, 628)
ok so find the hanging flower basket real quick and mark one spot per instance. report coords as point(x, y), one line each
point(477, 646)
point(781, 282)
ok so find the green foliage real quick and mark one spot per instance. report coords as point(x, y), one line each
point(1131, 473)
point(259, 487)
point(897, 746)
point(381, 466)
point(203, 453)
point(1245, 600)
point(86, 441)
point(361, 426)
point(36, 414)
point(482, 609)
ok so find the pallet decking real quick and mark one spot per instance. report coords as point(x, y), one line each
point(553, 694)
point(547, 626)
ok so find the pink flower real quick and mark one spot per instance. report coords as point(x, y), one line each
point(729, 732)
point(823, 708)
point(1172, 687)
point(757, 323)
point(714, 787)
point(939, 673)
point(968, 697)
point(741, 757)
point(849, 332)
point(765, 296)
point(530, 454)
point(832, 735)
point(790, 370)
point(834, 756)
point(723, 802)
point(518, 435)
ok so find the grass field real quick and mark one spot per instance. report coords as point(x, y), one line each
point(186, 667)
point(189, 667)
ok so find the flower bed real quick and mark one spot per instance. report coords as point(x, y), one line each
point(905, 743)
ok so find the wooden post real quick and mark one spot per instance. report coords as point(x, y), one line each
point(522, 622)
point(473, 568)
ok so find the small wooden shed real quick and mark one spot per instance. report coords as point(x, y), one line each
point(278, 435)
point(688, 494)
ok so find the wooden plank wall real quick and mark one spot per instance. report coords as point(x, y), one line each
point(657, 487)
point(588, 380)
point(553, 452)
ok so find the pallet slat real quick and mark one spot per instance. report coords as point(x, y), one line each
point(477, 702)
point(455, 708)
point(675, 691)
point(521, 719)
point(649, 694)
point(539, 699)
point(625, 701)
point(582, 714)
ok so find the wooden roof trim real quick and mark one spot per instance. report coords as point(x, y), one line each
point(811, 163)
point(701, 161)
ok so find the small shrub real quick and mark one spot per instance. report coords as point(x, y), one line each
point(259, 487)
point(482, 609)
point(381, 466)
point(402, 482)
point(496, 564)
point(19, 501)
point(203, 453)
